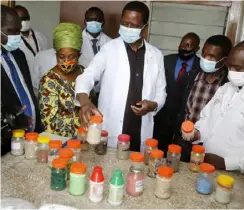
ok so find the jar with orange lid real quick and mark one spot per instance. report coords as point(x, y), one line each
point(164, 182)
point(173, 156)
point(197, 157)
point(31, 145)
point(58, 174)
point(54, 147)
point(135, 179)
point(17, 142)
point(150, 144)
point(75, 145)
point(43, 149)
point(66, 154)
point(95, 130)
point(205, 179)
point(82, 137)
point(187, 129)
point(154, 162)
point(77, 184)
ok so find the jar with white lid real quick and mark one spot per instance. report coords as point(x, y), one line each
point(31, 145)
point(17, 142)
point(95, 130)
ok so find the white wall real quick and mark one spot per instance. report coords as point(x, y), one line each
point(44, 16)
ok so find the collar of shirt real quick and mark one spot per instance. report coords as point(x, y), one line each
point(218, 77)
point(188, 62)
point(141, 46)
point(29, 36)
point(90, 37)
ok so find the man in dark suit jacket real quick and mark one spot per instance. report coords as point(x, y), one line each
point(180, 71)
point(16, 85)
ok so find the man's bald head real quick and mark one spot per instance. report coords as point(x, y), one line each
point(235, 61)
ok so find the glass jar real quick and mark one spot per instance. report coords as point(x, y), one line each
point(135, 179)
point(224, 189)
point(94, 130)
point(17, 142)
point(173, 156)
point(205, 179)
point(154, 162)
point(197, 157)
point(66, 154)
point(150, 144)
point(77, 184)
point(58, 174)
point(42, 151)
point(54, 147)
point(123, 147)
point(31, 145)
point(74, 145)
point(101, 148)
point(187, 129)
point(164, 182)
point(82, 137)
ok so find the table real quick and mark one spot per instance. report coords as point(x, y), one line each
point(30, 180)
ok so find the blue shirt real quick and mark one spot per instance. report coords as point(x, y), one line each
point(178, 65)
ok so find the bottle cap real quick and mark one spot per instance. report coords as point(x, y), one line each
point(225, 180)
point(74, 144)
point(152, 142)
point(124, 138)
point(18, 133)
point(136, 157)
point(43, 139)
point(55, 144)
point(78, 168)
point(65, 153)
point(187, 126)
point(96, 119)
point(155, 153)
point(97, 174)
point(173, 148)
point(31, 136)
point(198, 149)
point(165, 171)
point(117, 178)
point(207, 168)
point(104, 133)
point(81, 129)
point(59, 163)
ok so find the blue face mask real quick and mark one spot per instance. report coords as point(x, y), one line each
point(13, 42)
point(130, 35)
point(208, 66)
point(94, 27)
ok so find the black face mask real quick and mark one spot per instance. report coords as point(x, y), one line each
point(186, 54)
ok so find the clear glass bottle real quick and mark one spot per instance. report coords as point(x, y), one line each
point(17, 142)
point(31, 145)
point(197, 157)
point(82, 136)
point(173, 157)
point(54, 147)
point(95, 130)
point(58, 174)
point(43, 149)
point(154, 162)
point(123, 147)
point(101, 148)
point(75, 145)
point(187, 129)
point(66, 154)
point(150, 144)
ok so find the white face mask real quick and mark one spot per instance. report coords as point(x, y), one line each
point(208, 66)
point(25, 25)
point(236, 78)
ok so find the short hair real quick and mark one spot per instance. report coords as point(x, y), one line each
point(6, 12)
point(138, 7)
point(95, 9)
point(19, 7)
point(194, 35)
point(220, 41)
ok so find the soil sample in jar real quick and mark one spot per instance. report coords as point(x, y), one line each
point(123, 147)
point(31, 145)
point(101, 148)
point(82, 137)
point(43, 149)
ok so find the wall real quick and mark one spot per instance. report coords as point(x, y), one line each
point(45, 16)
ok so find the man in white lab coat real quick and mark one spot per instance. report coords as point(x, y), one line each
point(133, 81)
point(221, 124)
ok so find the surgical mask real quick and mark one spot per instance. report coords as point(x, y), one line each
point(186, 54)
point(13, 42)
point(236, 78)
point(68, 66)
point(25, 25)
point(208, 66)
point(130, 35)
point(94, 27)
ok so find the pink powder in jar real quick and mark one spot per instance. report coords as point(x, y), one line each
point(135, 183)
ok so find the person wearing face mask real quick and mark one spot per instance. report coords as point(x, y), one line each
point(132, 78)
point(221, 124)
point(32, 41)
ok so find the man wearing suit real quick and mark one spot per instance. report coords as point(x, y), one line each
point(180, 71)
point(16, 86)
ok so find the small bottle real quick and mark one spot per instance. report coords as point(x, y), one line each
point(224, 189)
point(154, 162)
point(164, 181)
point(101, 148)
point(96, 185)
point(173, 157)
point(197, 157)
point(75, 145)
point(66, 154)
point(187, 129)
point(123, 147)
point(17, 142)
point(54, 147)
point(77, 184)
point(150, 144)
point(82, 137)
point(94, 130)
point(31, 145)
point(205, 179)
point(135, 179)
point(43, 149)
point(116, 188)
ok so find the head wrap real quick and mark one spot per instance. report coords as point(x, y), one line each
point(67, 35)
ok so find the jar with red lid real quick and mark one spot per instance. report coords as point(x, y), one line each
point(197, 157)
point(82, 137)
point(95, 130)
point(66, 154)
point(101, 148)
point(31, 145)
point(54, 147)
point(154, 162)
point(75, 145)
point(123, 147)
point(173, 156)
point(150, 144)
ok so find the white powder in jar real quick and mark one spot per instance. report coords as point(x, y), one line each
point(163, 187)
point(93, 135)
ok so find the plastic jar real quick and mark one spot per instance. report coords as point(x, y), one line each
point(187, 129)
point(77, 184)
point(17, 142)
point(74, 145)
point(154, 162)
point(164, 182)
point(135, 179)
point(150, 144)
point(31, 145)
point(58, 174)
point(205, 179)
point(43, 149)
point(101, 148)
point(94, 130)
point(197, 157)
point(54, 147)
point(224, 189)
point(82, 137)
point(66, 154)
point(173, 156)
point(123, 147)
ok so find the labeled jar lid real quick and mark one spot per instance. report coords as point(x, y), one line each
point(59, 163)
point(187, 126)
point(155, 153)
point(207, 168)
point(96, 119)
point(124, 138)
point(55, 144)
point(43, 139)
point(65, 153)
point(97, 174)
point(173, 148)
point(104, 133)
point(225, 180)
point(165, 171)
point(31, 136)
point(74, 144)
point(137, 157)
point(81, 129)
point(18, 133)
point(78, 168)
point(152, 142)
point(198, 149)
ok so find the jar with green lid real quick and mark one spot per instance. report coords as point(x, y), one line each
point(17, 142)
point(31, 145)
point(58, 174)
point(42, 151)
point(66, 154)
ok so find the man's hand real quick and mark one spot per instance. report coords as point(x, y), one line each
point(146, 106)
point(217, 161)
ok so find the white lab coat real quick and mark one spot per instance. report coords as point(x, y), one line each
point(221, 126)
point(112, 64)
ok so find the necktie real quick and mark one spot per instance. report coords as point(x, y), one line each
point(181, 72)
point(94, 46)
